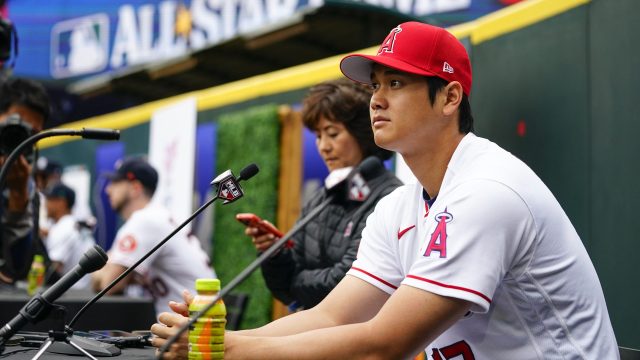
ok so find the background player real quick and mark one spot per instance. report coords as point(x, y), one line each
point(175, 266)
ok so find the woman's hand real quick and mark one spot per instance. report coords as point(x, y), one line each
point(261, 239)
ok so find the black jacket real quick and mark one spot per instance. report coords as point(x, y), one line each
point(324, 250)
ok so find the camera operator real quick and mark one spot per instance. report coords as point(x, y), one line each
point(24, 109)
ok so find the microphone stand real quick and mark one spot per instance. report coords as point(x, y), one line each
point(133, 267)
point(225, 182)
point(365, 166)
point(246, 272)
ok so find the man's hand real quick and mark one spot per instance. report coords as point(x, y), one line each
point(17, 179)
point(169, 324)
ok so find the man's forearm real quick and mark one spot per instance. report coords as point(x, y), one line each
point(292, 324)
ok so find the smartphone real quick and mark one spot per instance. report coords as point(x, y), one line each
point(255, 221)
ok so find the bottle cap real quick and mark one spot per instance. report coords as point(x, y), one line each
point(38, 258)
point(207, 285)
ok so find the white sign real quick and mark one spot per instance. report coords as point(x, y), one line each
point(78, 178)
point(172, 153)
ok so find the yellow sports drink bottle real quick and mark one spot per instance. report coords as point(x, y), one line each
point(206, 335)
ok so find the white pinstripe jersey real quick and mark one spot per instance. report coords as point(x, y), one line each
point(498, 238)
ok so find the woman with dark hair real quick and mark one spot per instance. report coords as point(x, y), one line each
point(303, 274)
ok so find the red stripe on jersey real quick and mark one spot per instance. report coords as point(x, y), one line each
point(451, 287)
point(375, 277)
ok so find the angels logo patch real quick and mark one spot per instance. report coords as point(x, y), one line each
point(387, 44)
point(438, 240)
point(127, 244)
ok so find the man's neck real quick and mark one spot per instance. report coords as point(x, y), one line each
point(57, 217)
point(430, 164)
point(133, 206)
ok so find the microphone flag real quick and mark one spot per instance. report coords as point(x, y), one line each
point(228, 188)
point(358, 188)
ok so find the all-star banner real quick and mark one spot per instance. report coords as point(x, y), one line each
point(66, 39)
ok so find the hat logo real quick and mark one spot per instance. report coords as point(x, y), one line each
point(447, 68)
point(389, 42)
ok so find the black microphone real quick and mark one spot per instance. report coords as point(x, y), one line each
point(100, 134)
point(38, 307)
point(227, 188)
point(366, 168)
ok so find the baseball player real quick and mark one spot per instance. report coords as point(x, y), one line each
point(173, 267)
point(476, 261)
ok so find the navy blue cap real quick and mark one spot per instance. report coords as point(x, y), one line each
point(62, 191)
point(47, 166)
point(136, 169)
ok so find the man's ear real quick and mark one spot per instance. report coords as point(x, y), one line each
point(136, 186)
point(452, 93)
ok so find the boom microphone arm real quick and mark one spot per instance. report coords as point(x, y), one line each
point(364, 167)
point(97, 134)
point(225, 183)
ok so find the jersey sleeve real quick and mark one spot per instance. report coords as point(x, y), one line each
point(377, 257)
point(474, 237)
point(135, 239)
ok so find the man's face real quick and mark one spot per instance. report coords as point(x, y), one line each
point(118, 192)
point(31, 117)
point(55, 206)
point(402, 117)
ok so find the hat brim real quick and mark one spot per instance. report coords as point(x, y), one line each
point(358, 67)
point(113, 176)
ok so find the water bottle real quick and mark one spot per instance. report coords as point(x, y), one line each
point(35, 278)
point(206, 335)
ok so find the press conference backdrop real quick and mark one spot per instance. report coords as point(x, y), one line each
point(555, 87)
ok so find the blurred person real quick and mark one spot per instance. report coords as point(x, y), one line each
point(46, 173)
point(66, 241)
point(477, 260)
point(28, 101)
point(301, 275)
point(173, 267)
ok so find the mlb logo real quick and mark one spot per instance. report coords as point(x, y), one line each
point(80, 46)
point(229, 191)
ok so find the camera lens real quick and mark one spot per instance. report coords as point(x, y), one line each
point(12, 135)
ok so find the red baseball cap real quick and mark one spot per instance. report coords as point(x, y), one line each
point(415, 48)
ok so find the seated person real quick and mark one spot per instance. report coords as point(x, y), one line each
point(65, 243)
point(173, 267)
point(28, 101)
point(301, 275)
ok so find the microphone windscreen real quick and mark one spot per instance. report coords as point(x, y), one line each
point(100, 134)
point(93, 259)
point(369, 166)
point(248, 172)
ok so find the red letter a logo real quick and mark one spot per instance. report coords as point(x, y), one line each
point(387, 45)
point(438, 240)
